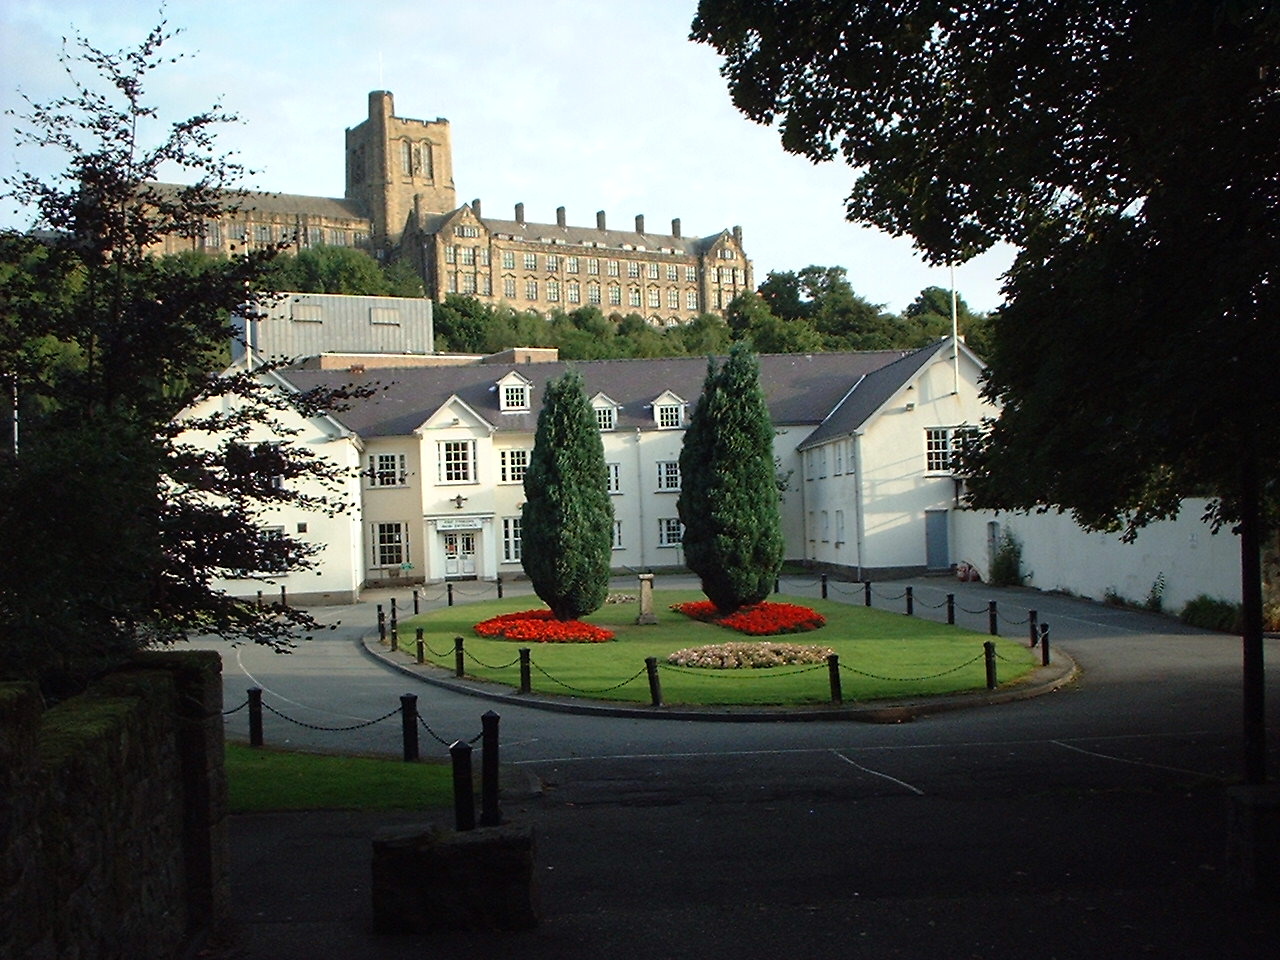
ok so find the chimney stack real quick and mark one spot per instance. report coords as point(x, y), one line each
point(559, 216)
point(520, 213)
point(675, 228)
point(475, 207)
point(599, 219)
point(639, 223)
point(737, 235)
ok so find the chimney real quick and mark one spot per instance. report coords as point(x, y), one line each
point(599, 219)
point(559, 216)
point(737, 236)
point(520, 213)
point(675, 227)
point(475, 207)
point(639, 223)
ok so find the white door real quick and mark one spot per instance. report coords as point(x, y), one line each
point(459, 554)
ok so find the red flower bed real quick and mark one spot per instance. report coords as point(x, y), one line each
point(759, 620)
point(541, 626)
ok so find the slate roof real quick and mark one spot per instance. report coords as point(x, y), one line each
point(334, 208)
point(800, 389)
point(870, 394)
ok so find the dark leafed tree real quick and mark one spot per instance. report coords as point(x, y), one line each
point(115, 521)
point(729, 488)
point(1128, 150)
point(567, 520)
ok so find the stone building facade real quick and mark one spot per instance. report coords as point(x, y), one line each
point(400, 202)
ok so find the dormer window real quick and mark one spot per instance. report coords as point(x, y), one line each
point(669, 415)
point(513, 393)
point(606, 412)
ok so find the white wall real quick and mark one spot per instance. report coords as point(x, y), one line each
point(1058, 555)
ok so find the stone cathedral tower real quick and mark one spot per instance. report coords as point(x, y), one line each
point(398, 169)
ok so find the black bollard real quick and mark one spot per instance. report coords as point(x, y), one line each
point(259, 603)
point(526, 684)
point(395, 637)
point(951, 609)
point(655, 684)
point(993, 627)
point(421, 645)
point(777, 585)
point(1031, 625)
point(409, 725)
point(911, 601)
point(464, 796)
point(1044, 644)
point(448, 590)
point(394, 618)
point(490, 814)
point(989, 654)
point(824, 586)
point(255, 716)
point(866, 593)
point(833, 673)
point(284, 597)
point(382, 625)
point(458, 653)
point(499, 587)
point(415, 601)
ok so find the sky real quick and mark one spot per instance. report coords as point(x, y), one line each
point(586, 104)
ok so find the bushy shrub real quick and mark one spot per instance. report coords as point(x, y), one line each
point(1006, 565)
point(1211, 613)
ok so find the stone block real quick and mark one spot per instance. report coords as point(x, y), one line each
point(427, 879)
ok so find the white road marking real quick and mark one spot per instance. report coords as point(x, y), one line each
point(876, 773)
point(1136, 763)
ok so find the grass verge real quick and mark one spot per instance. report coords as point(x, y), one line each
point(263, 780)
point(882, 655)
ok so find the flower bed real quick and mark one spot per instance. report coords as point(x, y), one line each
point(749, 656)
point(540, 626)
point(759, 620)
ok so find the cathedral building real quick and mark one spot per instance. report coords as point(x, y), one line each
point(400, 203)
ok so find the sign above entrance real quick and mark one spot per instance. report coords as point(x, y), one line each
point(459, 523)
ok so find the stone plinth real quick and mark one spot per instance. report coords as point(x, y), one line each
point(647, 615)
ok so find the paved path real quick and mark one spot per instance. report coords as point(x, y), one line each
point(1086, 823)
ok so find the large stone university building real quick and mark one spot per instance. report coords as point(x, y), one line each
point(400, 202)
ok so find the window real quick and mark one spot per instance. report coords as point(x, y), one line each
point(715, 274)
point(593, 293)
point(617, 535)
point(531, 289)
point(406, 157)
point(389, 544)
point(511, 539)
point(673, 272)
point(387, 470)
point(670, 532)
point(262, 233)
point(574, 291)
point(826, 527)
point(633, 296)
point(839, 527)
point(468, 256)
point(670, 416)
point(468, 283)
point(593, 267)
point(615, 295)
point(337, 238)
point(691, 299)
point(937, 449)
point(655, 298)
point(668, 475)
point(466, 230)
point(838, 468)
point(726, 254)
point(607, 418)
point(653, 271)
point(486, 285)
point(450, 254)
point(613, 268)
point(821, 454)
point(260, 466)
point(691, 274)
point(531, 261)
point(515, 396)
point(553, 291)
point(570, 264)
point(673, 298)
point(509, 287)
point(456, 461)
point(633, 268)
point(508, 259)
point(212, 233)
point(512, 465)
point(615, 477)
point(553, 262)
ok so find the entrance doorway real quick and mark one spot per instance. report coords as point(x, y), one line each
point(937, 550)
point(459, 554)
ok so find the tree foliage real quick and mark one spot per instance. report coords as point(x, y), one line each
point(114, 522)
point(567, 519)
point(728, 486)
point(342, 270)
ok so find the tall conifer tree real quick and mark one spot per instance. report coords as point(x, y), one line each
point(567, 528)
point(729, 494)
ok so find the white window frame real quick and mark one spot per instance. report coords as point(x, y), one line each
point(515, 396)
point(669, 416)
point(607, 418)
point(512, 539)
point(668, 475)
point(617, 535)
point(670, 532)
point(512, 465)
point(508, 259)
point(387, 470)
point(531, 261)
point(614, 482)
point(390, 544)
point(455, 461)
point(937, 449)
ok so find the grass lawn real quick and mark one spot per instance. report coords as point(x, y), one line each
point(903, 654)
point(261, 780)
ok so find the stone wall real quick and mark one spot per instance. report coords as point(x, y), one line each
point(112, 814)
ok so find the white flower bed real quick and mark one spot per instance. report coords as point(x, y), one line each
point(749, 656)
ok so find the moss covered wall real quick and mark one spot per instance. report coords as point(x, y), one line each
point(112, 814)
